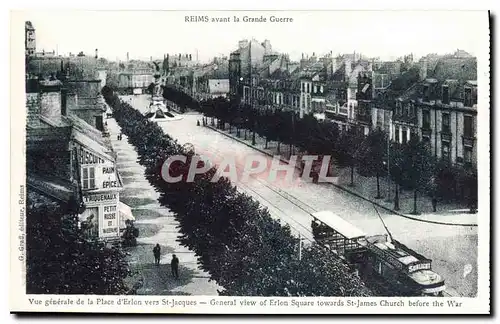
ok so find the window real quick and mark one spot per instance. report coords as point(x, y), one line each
point(446, 95)
point(321, 89)
point(468, 154)
point(445, 118)
point(468, 128)
point(405, 135)
point(88, 177)
point(468, 97)
point(315, 89)
point(396, 133)
point(445, 150)
point(303, 87)
point(413, 109)
point(426, 93)
point(426, 119)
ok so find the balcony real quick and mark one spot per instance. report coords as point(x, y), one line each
point(468, 141)
point(408, 119)
point(426, 131)
point(445, 136)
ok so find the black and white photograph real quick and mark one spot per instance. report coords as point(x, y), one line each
point(251, 162)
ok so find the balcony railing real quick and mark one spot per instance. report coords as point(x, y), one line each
point(409, 119)
point(468, 141)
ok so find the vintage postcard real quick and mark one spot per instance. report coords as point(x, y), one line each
point(250, 162)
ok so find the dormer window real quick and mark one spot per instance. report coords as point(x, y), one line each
point(446, 94)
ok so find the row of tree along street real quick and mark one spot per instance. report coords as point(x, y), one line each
point(238, 243)
point(412, 166)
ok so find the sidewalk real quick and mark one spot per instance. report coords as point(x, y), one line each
point(366, 188)
point(156, 224)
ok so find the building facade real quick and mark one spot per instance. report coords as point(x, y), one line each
point(71, 161)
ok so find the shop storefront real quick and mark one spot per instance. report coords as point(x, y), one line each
point(104, 214)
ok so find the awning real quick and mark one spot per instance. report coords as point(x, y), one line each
point(125, 214)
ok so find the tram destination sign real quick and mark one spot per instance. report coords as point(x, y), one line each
point(424, 265)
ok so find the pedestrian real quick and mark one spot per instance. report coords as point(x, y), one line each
point(157, 253)
point(175, 267)
point(434, 204)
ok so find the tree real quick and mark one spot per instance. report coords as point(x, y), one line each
point(348, 149)
point(418, 167)
point(372, 156)
point(396, 162)
point(61, 261)
point(237, 241)
point(150, 88)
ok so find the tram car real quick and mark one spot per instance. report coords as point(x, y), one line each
point(380, 260)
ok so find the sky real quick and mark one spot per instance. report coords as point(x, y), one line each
point(384, 34)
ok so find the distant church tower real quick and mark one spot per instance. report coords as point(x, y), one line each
point(30, 39)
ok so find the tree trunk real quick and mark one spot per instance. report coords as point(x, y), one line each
point(253, 137)
point(396, 198)
point(378, 187)
point(352, 175)
point(267, 141)
point(245, 134)
point(279, 146)
point(415, 212)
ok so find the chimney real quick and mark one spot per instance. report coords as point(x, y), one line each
point(50, 98)
point(127, 57)
point(96, 53)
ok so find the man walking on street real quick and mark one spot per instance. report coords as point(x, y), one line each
point(157, 253)
point(175, 267)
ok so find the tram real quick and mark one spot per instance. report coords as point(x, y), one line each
point(379, 259)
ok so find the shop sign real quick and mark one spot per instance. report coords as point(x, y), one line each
point(100, 198)
point(109, 221)
point(87, 157)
